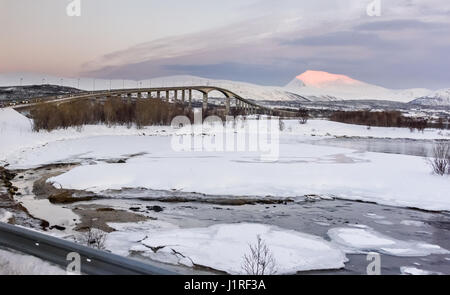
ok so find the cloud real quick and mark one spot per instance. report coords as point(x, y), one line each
point(401, 24)
point(396, 50)
point(343, 38)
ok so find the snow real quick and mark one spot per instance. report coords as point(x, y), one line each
point(12, 263)
point(5, 215)
point(17, 137)
point(336, 129)
point(438, 98)
point(324, 85)
point(364, 240)
point(409, 270)
point(223, 246)
point(302, 168)
point(412, 223)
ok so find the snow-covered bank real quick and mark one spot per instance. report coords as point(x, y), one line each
point(223, 246)
point(330, 128)
point(17, 137)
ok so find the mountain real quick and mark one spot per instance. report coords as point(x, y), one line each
point(340, 87)
point(27, 92)
point(309, 86)
point(246, 90)
point(438, 98)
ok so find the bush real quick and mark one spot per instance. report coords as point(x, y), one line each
point(380, 119)
point(303, 114)
point(260, 260)
point(114, 111)
point(440, 160)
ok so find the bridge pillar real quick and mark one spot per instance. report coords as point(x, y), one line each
point(139, 95)
point(183, 95)
point(158, 94)
point(175, 95)
point(227, 105)
point(205, 101)
point(190, 98)
point(167, 95)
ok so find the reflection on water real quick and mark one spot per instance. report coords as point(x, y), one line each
point(421, 148)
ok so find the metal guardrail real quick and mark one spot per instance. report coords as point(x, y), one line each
point(54, 250)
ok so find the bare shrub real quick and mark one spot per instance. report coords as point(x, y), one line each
point(440, 158)
point(260, 260)
point(303, 115)
point(380, 119)
point(114, 111)
point(281, 125)
point(93, 237)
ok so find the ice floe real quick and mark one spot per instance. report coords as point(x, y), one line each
point(364, 240)
point(223, 246)
point(409, 270)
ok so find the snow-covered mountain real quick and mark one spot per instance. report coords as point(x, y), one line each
point(438, 98)
point(340, 87)
point(246, 90)
point(309, 86)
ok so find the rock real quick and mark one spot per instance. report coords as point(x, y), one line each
point(155, 208)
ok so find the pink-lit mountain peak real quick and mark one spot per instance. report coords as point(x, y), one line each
point(320, 79)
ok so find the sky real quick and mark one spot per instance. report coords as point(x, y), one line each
point(404, 44)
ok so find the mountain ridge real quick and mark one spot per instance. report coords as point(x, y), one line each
point(308, 86)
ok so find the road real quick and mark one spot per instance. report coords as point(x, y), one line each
point(54, 250)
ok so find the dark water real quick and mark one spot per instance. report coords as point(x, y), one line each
point(421, 148)
point(317, 218)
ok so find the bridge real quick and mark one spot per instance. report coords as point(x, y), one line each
point(176, 94)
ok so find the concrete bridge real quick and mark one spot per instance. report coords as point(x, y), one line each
point(184, 95)
point(176, 94)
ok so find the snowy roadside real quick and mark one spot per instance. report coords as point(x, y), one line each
point(12, 263)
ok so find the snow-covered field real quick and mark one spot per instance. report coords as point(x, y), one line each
point(149, 161)
point(302, 168)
